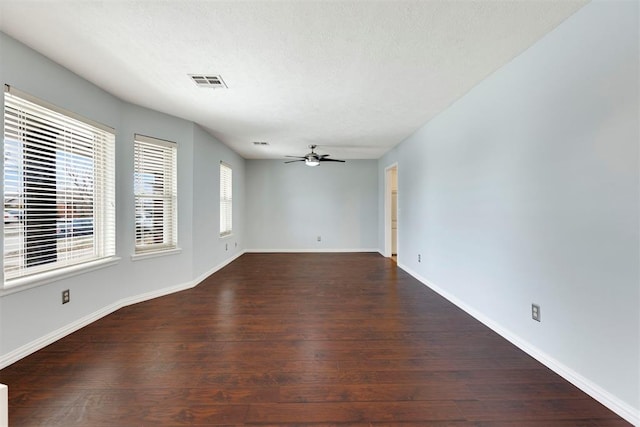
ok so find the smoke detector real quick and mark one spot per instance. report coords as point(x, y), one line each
point(210, 81)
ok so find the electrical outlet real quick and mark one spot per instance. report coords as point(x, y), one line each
point(66, 296)
point(419, 258)
point(319, 238)
point(535, 312)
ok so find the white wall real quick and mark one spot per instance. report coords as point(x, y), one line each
point(290, 205)
point(527, 190)
point(208, 245)
point(31, 314)
point(31, 318)
point(167, 270)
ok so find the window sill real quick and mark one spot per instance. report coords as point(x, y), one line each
point(155, 254)
point(225, 236)
point(35, 280)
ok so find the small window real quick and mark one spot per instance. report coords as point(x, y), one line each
point(155, 188)
point(226, 199)
point(59, 186)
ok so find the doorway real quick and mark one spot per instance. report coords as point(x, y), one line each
point(391, 211)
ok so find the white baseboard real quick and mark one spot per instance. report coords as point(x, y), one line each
point(220, 266)
point(33, 346)
point(621, 408)
point(319, 250)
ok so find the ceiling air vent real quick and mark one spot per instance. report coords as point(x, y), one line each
point(260, 143)
point(203, 80)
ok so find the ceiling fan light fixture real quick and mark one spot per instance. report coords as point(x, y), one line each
point(312, 161)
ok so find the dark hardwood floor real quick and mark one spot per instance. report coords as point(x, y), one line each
point(294, 339)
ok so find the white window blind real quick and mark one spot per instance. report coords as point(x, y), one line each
point(226, 199)
point(59, 191)
point(155, 190)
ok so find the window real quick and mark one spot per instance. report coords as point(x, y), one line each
point(226, 199)
point(155, 188)
point(59, 203)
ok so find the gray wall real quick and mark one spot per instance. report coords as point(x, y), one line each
point(35, 315)
point(208, 245)
point(527, 190)
point(290, 205)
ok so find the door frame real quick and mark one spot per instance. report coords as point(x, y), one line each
point(387, 208)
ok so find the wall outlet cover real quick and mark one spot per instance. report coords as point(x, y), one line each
point(535, 312)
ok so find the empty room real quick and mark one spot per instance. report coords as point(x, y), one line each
point(286, 213)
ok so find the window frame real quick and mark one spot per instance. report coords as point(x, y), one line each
point(226, 200)
point(168, 224)
point(71, 135)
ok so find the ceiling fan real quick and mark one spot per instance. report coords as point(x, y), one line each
point(313, 158)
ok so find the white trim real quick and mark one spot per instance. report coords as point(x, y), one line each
point(311, 250)
point(220, 266)
point(4, 406)
point(35, 280)
point(33, 346)
point(158, 158)
point(42, 103)
point(156, 141)
point(621, 408)
point(87, 149)
point(225, 174)
point(387, 209)
point(155, 254)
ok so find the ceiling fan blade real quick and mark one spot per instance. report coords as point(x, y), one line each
point(291, 161)
point(296, 157)
point(324, 159)
point(323, 155)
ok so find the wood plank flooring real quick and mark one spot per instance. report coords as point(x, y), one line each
point(294, 339)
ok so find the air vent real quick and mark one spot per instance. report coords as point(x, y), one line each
point(214, 82)
point(260, 143)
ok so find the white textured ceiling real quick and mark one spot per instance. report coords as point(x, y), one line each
point(354, 77)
